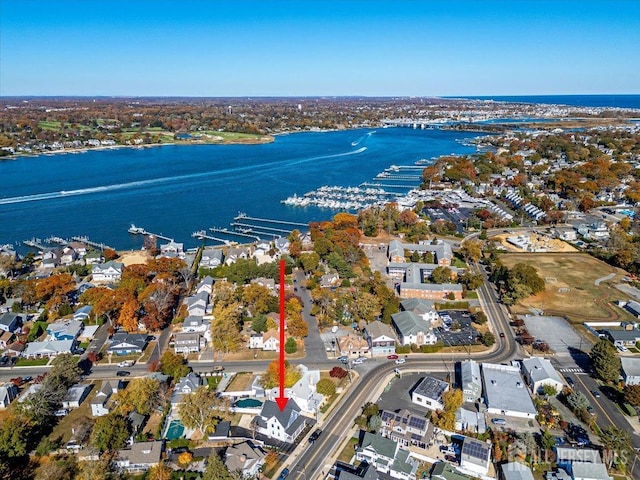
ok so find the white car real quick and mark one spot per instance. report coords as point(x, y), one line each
point(400, 361)
point(126, 363)
point(359, 361)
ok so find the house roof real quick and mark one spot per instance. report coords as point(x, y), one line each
point(190, 382)
point(8, 318)
point(470, 373)
point(65, 327)
point(243, 456)
point(289, 418)
point(102, 267)
point(540, 369)
point(187, 338)
point(572, 454)
point(103, 394)
point(624, 335)
point(352, 342)
point(143, 453)
point(408, 323)
point(446, 471)
point(50, 347)
point(83, 311)
point(417, 305)
point(206, 281)
point(378, 329)
point(384, 447)
point(589, 470)
point(630, 366)
point(475, 451)
point(516, 471)
point(431, 387)
point(365, 471)
point(76, 393)
point(123, 340)
point(504, 389)
point(433, 287)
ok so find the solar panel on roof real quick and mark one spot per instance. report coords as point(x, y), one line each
point(387, 415)
point(416, 437)
point(417, 422)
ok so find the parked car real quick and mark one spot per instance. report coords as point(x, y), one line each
point(284, 474)
point(4, 360)
point(400, 361)
point(314, 436)
point(61, 413)
point(343, 359)
point(596, 393)
point(498, 421)
point(392, 356)
point(126, 363)
point(122, 373)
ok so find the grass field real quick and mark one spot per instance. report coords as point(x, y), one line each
point(570, 286)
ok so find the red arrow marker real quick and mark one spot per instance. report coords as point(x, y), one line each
point(281, 400)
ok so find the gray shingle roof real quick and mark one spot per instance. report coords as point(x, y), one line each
point(408, 323)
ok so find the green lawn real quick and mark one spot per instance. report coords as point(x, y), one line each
point(31, 362)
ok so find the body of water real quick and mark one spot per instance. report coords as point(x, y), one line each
point(620, 101)
point(176, 190)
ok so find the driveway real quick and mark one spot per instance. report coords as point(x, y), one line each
point(314, 347)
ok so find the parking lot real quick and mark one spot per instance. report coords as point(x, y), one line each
point(466, 335)
point(396, 395)
point(556, 331)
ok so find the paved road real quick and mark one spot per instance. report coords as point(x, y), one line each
point(314, 347)
point(311, 462)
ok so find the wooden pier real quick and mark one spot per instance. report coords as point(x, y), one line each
point(244, 216)
point(262, 227)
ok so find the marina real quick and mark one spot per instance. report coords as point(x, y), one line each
point(141, 231)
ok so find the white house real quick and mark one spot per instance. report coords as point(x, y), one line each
point(475, 456)
point(8, 393)
point(412, 329)
point(505, 392)
point(205, 285)
point(10, 321)
point(107, 272)
point(140, 457)
point(185, 343)
point(630, 370)
point(186, 386)
point(539, 372)
point(172, 250)
point(304, 391)
point(211, 257)
point(198, 304)
point(48, 348)
point(428, 393)
point(75, 395)
point(99, 402)
point(470, 380)
point(386, 456)
point(285, 425)
point(271, 341)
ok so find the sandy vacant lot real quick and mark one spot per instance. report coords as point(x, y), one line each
point(132, 257)
point(570, 286)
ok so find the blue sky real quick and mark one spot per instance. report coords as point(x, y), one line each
point(309, 47)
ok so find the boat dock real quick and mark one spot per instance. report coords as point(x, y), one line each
point(86, 240)
point(141, 231)
point(202, 235)
point(229, 232)
point(263, 227)
point(35, 243)
point(244, 216)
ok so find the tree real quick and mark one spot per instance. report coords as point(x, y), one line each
point(271, 378)
point(549, 390)
point(547, 440)
point(163, 472)
point(257, 298)
point(297, 327)
point(259, 323)
point(128, 317)
point(617, 443)
point(203, 409)
point(64, 371)
point(290, 345)
point(442, 274)
point(14, 436)
point(225, 327)
point(374, 423)
point(471, 250)
point(326, 387)
point(141, 395)
point(577, 401)
point(488, 339)
point(452, 400)
point(309, 261)
point(110, 433)
point(606, 363)
point(185, 458)
point(632, 395)
point(94, 469)
point(173, 365)
point(471, 280)
point(216, 469)
point(56, 468)
point(480, 318)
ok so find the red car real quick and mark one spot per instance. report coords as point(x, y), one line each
point(392, 357)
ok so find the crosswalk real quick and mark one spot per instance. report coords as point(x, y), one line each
point(576, 370)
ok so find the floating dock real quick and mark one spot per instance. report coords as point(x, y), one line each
point(244, 216)
point(141, 231)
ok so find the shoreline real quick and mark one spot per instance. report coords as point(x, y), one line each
point(102, 148)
